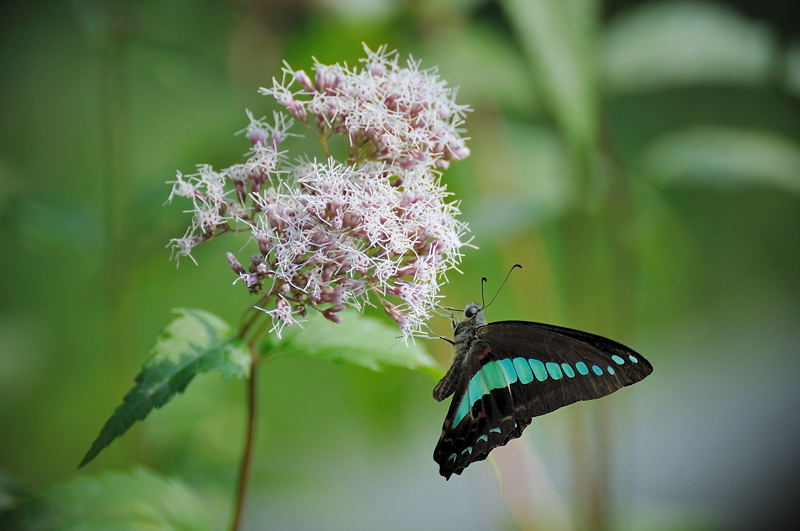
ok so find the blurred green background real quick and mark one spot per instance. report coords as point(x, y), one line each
point(641, 160)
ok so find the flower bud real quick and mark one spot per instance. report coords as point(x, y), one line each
point(298, 110)
point(330, 315)
point(459, 151)
point(397, 316)
point(326, 80)
point(257, 136)
point(301, 77)
point(276, 138)
point(376, 69)
point(251, 281)
point(331, 294)
point(235, 265)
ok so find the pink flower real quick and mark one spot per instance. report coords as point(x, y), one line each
point(399, 114)
point(331, 235)
point(405, 233)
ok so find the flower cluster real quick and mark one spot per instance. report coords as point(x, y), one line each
point(402, 115)
point(331, 235)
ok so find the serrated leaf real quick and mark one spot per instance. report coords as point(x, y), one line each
point(136, 501)
point(194, 343)
point(358, 339)
point(723, 157)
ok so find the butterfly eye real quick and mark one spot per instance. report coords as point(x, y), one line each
point(471, 311)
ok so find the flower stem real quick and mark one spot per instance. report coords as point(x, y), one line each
point(247, 454)
point(252, 399)
point(325, 149)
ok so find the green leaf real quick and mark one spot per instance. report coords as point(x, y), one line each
point(358, 339)
point(538, 187)
point(792, 71)
point(669, 44)
point(467, 52)
point(194, 343)
point(11, 492)
point(137, 501)
point(559, 38)
point(723, 157)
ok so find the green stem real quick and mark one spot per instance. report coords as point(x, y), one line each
point(251, 401)
point(247, 454)
point(325, 149)
point(248, 322)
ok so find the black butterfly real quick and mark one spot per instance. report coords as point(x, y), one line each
point(508, 372)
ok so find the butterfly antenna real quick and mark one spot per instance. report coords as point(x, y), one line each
point(484, 280)
point(484, 306)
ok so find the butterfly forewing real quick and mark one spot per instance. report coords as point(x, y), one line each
point(516, 370)
point(579, 364)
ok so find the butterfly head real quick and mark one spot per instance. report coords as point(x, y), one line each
point(473, 318)
point(474, 312)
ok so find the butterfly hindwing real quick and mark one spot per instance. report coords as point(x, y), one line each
point(516, 370)
point(481, 416)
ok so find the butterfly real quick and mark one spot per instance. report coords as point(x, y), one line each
point(507, 372)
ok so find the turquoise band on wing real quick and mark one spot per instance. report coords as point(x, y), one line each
point(477, 387)
point(523, 370)
point(502, 373)
point(538, 369)
point(554, 370)
point(495, 379)
point(509, 371)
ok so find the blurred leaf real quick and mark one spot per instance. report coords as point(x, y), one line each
point(793, 69)
point(559, 38)
point(194, 343)
point(358, 339)
point(57, 225)
point(11, 492)
point(682, 43)
point(538, 186)
point(466, 54)
point(436, 10)
point(135, 501)
point(724, 157)
point(361, 10)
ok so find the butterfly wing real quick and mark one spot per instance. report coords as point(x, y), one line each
point(566, 365)
point(517, 370)
point(481, 415)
